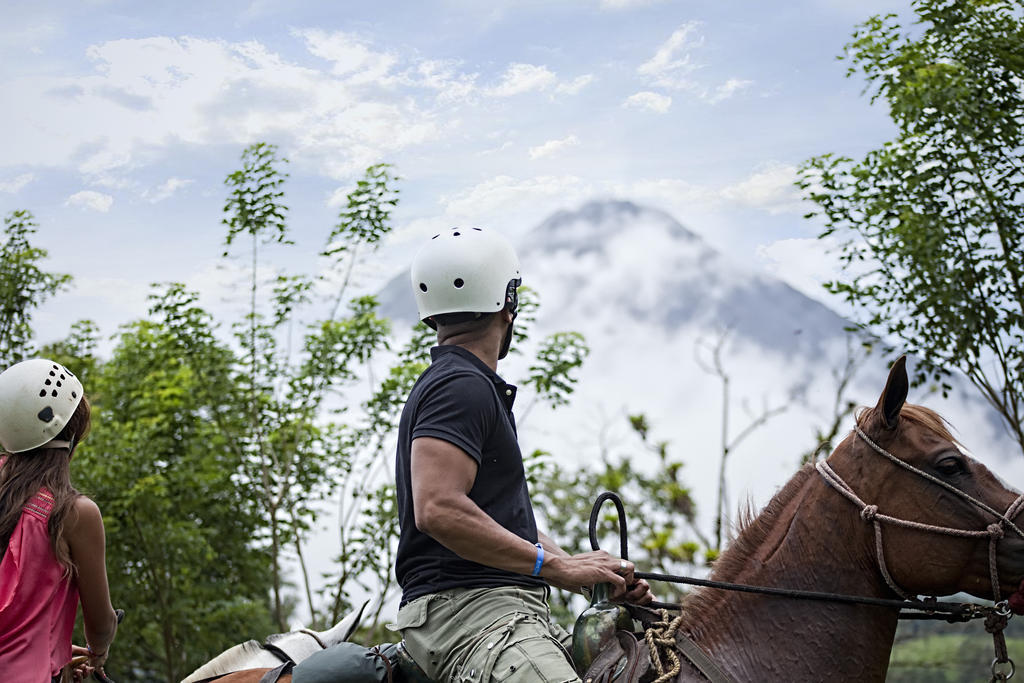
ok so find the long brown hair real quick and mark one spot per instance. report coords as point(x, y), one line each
point(23, 474)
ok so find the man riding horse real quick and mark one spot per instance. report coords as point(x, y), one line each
point(474, 569)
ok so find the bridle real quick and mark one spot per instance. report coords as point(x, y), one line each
point(869, 513)
point(1002, 666)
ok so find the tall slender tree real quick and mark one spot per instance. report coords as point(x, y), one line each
point(24, 285)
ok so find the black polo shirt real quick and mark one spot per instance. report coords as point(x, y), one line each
point(461, 400)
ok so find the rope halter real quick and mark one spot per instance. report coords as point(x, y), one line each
point(869, 513)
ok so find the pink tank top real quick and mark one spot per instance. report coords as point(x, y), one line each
point(37, 602)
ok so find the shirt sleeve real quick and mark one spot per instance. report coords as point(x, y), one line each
point(460, 410)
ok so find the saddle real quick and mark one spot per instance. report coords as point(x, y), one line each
point(624, 659)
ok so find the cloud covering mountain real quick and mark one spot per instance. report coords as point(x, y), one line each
point(653, 300)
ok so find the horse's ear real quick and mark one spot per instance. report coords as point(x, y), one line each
point(895, 393)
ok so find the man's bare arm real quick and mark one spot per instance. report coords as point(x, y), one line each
point(442, 475)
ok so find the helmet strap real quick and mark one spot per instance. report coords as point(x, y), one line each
point(506, 343)
point(60, 443)
point(512, 296)
point(512, 306)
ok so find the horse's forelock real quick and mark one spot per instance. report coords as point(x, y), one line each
point(914, 414)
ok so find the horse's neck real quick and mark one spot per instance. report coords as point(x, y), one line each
point(817, 542)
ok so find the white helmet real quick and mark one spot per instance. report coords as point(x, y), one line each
point(464, 270)
point(37, 399)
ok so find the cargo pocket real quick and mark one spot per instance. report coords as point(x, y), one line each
point(413, 615)
point(519, 651)
point(417, 642)
point(532, 659)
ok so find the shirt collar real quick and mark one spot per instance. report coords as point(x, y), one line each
point(506, 391)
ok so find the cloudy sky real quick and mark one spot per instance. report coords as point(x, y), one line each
point(121, 120)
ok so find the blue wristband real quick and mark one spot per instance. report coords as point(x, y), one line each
point(540, 560)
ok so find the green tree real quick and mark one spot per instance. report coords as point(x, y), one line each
point(931, 223)
point(184, 555)
point(24, 286)
point(298, 453)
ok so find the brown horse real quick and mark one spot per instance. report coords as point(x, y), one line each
point(810, 537)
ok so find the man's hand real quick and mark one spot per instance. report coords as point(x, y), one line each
point(639, 593)
point(586, 569)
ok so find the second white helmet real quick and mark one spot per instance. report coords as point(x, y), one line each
point(37, 399)
point(463, 270)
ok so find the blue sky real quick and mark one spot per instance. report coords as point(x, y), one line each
point(121, 120)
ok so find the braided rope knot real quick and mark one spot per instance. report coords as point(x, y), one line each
point(869, 512)
point(660, 637)
point(995, 530)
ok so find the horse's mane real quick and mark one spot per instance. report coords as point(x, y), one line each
point(753, 529)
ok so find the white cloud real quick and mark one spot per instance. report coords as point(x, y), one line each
point(444, 77)
point(672, 63)
point(14, 185)
point(646, 99)
point(574, 86)
point(501, 192)
point(727, 90)
point(552, 146)
point(521, 78)
point(673, 66)
point(89, 199)
point(166, 189)
point(769, 188)
point(349, 55)
point(148, 94)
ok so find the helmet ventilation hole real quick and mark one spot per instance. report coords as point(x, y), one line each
point(54, 393)
point(42, 393)
point(458, 283)
point(423, 286)
point(456, 234)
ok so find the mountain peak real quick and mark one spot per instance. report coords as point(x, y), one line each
point(595, 223)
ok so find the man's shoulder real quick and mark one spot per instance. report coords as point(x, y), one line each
point(461, 377)
point(452, 367)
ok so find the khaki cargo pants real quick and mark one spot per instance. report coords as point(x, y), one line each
point(487, 634)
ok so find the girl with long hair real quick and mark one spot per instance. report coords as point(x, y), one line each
point(52, 543)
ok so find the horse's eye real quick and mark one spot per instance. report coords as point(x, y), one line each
point(951, 465)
